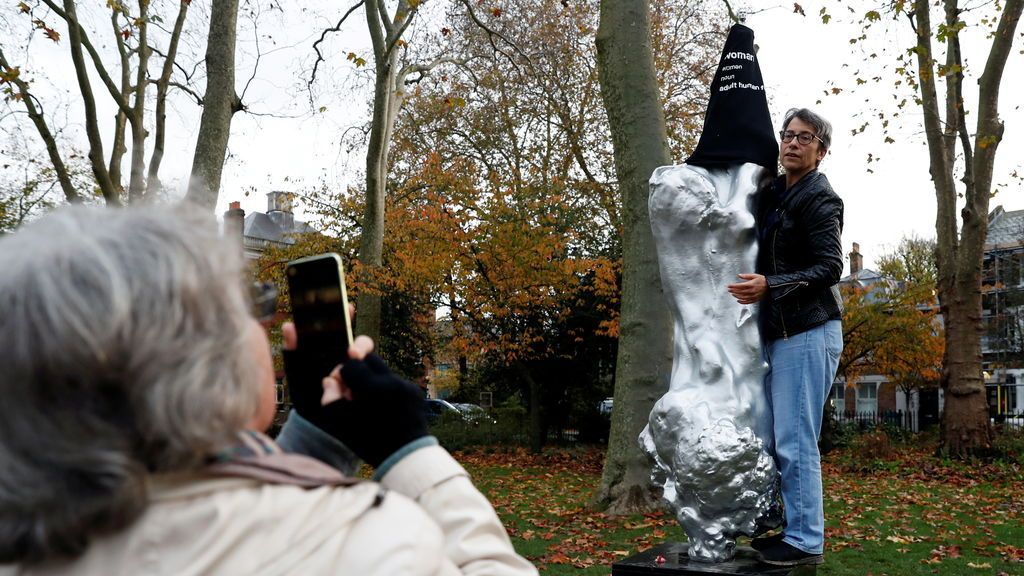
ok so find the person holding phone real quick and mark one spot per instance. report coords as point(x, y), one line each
point(136, 387)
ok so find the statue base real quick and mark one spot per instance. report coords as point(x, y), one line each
point(677, 563)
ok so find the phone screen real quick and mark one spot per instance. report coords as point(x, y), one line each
point(316, 286)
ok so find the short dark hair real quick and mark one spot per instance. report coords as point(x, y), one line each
point(822, 127)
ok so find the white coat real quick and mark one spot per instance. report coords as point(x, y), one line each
point(431, 520)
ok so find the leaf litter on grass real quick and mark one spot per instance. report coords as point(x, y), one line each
point(916, 515)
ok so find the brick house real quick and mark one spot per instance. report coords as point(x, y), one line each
point(1002, 343)
point(872, 393)
point(261, 230)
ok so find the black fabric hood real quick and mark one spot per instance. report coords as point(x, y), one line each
point(737, 125)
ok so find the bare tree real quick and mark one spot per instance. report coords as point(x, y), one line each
point(965, 422)
point(140, 42)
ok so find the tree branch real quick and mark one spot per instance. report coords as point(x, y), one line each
point(732, 15)
point(491, 34)
point(323, 35)
point(939, 159)
point(136, 179)
point(423, 69)
point(965, 139)
point(188, 75)
point(36, 115)
point(162, 85)
point(405, 20)
point(373, 25)
point(96, 157)
point(191, 92)
point(256, 65)
point(990, 128)
point(953, 114)
point(71, 20)
point(385, 19)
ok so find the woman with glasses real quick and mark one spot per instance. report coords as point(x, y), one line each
point(799, 223)
point(136, 385)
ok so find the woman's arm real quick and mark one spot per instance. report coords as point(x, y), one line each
point(823, 221)
point(299, 436)
point(475, 541)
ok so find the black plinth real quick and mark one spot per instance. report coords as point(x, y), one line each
point(677, 563)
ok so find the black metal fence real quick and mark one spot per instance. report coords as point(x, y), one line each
point(1003, 403)
point(1012, 421)
point(904, 420)
point(911, 422)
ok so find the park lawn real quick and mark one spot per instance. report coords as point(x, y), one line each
point(910, 514)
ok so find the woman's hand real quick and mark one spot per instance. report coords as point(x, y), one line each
point(751, 290)
point(362, 403)
point(334, 388)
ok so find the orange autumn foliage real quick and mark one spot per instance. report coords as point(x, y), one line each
point(894, 330)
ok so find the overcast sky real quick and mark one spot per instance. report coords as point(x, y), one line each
point(801, 59)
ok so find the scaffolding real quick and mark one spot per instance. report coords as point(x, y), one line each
point(1003, 325)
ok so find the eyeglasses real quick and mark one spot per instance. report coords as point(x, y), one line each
point(804, 138)
point(263, 296)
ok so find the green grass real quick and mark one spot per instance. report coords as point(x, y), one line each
point(906, 514)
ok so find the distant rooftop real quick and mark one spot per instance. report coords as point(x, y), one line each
point(875, 284)
point(863, 277)
point(278, 223)
point(266, 227)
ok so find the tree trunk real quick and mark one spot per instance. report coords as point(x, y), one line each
point(219, 104)
point(387, 99)
point(162, 85)
point(136, 178)
point(965, 423)
point(826, 440)
point(629, 89)
point(96, 156)
point(537, 431)
point(119, 149)
point(371, 242)
point(965, 420)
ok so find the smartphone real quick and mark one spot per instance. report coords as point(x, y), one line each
point(316, 287)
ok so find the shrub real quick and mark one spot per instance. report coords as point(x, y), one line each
point(869, 451)
point(454, 433)
point(1009, 445)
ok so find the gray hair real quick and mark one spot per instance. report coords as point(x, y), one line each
point(124, 351)
point(822, 127)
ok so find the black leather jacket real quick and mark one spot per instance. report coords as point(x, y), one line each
point(800, 255)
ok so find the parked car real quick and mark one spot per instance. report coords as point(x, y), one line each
point(474, 413)
point(437, 410)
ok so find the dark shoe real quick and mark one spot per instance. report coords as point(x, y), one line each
point(781, 554)
point(766, 541)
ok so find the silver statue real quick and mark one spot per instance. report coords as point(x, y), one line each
point(710, 435)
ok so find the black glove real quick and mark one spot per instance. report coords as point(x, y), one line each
point(385, 413)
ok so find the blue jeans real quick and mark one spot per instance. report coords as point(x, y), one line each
point(800, 376)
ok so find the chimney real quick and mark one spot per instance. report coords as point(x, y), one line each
point(856, 260)
point(279, 209)
point(234, 220)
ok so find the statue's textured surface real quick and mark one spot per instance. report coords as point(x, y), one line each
point(710, 435)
